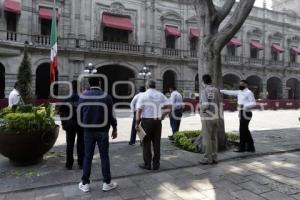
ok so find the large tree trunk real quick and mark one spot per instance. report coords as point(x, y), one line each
point(212, 40)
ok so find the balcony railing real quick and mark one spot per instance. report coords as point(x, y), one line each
point(296, 65)
point(256, 61)
point(43, 41)
point(11, 36)
point(115, 47)
point(276, 63)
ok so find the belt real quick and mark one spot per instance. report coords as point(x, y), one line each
point(151, 119)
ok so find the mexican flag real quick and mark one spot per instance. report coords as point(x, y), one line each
point(53, 43)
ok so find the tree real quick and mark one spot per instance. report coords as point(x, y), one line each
point(24, 78)
point(213, 38)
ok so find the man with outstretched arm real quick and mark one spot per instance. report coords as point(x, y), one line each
point(246, 101)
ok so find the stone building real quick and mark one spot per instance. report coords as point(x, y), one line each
point(121, 37)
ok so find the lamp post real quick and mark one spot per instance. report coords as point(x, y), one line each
point(90, 69)
point(145, 73)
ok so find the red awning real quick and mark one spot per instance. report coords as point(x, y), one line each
point(46, 13)
point(256, 45)
point(117, 22)
point(235, 42)
point(194, 33)
point(172, 31)
point(277, 48)
point(296, 50)
point(12, 6)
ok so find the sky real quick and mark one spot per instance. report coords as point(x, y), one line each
point(259, 3)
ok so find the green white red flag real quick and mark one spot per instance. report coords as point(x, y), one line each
point(53, 43)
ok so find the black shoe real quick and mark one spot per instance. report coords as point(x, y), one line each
point(143, 166)
point(69, 167)
point(215, 162)
point(171, 137)
point(239, 150)
point(251, 150)
point(156, 167)
point(131, 144)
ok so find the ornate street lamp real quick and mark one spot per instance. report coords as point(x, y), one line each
point(145, 73)
point(90, 69)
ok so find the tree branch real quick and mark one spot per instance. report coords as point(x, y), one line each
point(236, 21)
point(222, 12)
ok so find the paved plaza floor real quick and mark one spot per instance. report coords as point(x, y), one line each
point(271, 173)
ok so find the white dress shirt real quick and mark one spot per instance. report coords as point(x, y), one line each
point(14, 98)
point(245, 97)
point(151, 103)
point(176, 100)
point(134, 101)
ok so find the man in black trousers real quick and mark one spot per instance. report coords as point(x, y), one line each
point(72, 129)
point(246, 101)
point(152, 107)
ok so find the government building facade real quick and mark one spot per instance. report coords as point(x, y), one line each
point(120, 38)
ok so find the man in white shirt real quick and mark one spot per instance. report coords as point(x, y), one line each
point(177, 109)
point(133, 109)
point(14, 97)
point(246, 101)
point(152, 107)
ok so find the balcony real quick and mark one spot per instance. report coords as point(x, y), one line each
point(255, 61)
point(294, 65)
point(232, 60)
point(276, 63)
point(116, 47)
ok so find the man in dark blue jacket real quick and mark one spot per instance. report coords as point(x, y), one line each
point(96, 109)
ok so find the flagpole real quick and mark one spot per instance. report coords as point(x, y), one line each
point(53, 44)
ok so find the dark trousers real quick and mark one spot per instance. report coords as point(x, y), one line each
point(71, 133)
point(152, 128)
point(246, 140)
point(90, 140)
point(175, 119)
point(133, 131)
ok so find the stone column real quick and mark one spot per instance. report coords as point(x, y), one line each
point(264, 89)
point(285, 93)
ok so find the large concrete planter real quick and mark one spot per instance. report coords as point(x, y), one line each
point(27, 148)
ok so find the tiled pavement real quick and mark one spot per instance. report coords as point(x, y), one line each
point(273, 177)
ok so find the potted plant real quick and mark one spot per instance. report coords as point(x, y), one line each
point(27, 132)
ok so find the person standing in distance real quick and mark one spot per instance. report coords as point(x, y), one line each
point(210, 116)
point(152, 107)
point(133, 109)
point(96, 121)
point(14, 98)
point(177, 110)
point(246, 101)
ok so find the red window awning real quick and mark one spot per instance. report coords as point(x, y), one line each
point(256, 45)
point(194, 33)
point(277, 48)
point(46, 13)
point(235, 42)
point(117, 22)
point(172, 31)
point(12, 6)
point(295, 50)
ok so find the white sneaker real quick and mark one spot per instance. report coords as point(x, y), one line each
point(84, 188)
point(107, 187)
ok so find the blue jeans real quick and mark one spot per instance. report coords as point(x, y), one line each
point(175, 119)
point(90, 140)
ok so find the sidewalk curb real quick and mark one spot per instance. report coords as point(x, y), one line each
point(239, 157)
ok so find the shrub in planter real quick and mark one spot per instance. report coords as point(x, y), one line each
point(27, 133)
point(185, 139)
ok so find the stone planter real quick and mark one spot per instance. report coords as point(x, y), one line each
point(27, 148)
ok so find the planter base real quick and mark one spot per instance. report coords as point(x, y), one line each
point(23, 163)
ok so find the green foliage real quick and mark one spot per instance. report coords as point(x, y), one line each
point(24, 78)
point(184, 139)
point(27, 119)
